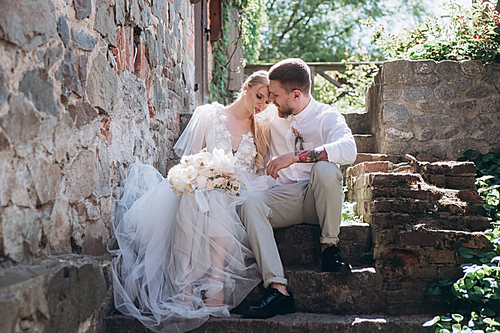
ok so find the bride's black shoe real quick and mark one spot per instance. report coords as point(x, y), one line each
point(271, 304)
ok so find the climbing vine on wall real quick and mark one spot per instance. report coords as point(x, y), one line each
point(250, 22)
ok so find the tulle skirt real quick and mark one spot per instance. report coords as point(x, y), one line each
point(180, 259)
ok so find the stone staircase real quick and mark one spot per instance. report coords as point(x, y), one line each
point(411, 238)
point(340, 302)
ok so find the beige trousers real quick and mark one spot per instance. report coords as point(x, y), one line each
point(317, 201)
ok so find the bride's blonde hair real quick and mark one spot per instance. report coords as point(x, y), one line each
point(259, 77)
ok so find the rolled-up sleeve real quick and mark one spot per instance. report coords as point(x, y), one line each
point(339, 141)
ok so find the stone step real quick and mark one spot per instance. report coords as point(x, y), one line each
point(59, 294)
point(364, 143)
point(359, 123)
point(296, 322)
point(299, 245)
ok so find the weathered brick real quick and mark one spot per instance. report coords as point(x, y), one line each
point(380, 166)
point(434, 256)
point(419, 238)
point(450, 272)
point(384, 192)
point(459, 182)
point(438, 180)
point(464, 169)
point(394, 179)
point(400, 206)
point(414, 194)
point(422, 272)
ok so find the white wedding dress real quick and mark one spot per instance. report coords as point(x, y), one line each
point(175, 253)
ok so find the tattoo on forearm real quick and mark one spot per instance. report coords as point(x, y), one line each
point(313, 155)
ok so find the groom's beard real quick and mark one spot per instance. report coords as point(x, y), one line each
point(284, 111)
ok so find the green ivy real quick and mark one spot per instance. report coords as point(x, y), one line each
point(475, 298)
point(250, 20)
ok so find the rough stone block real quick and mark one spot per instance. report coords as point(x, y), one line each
point(490, 105)
point(463, 105)
point(37, 86)
point(480, 91)
point(396, 134)
point(490, 134)
point(83, 40)
point(63, 29)
point(105, 20)
point(359, 292)
point(80, 179)
point(18, 26)
point(397, 72)
point(56, 295)
point(417, 93)
point(425, 66)
point(82, 113)
point(445, 92)
point(102, 84)
point(396, 113)
point(448, 68)
point(83, 8)
point(67, 74)
point(472, 67)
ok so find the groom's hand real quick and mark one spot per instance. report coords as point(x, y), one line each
point(280, 162)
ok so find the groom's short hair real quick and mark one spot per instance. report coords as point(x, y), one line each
point(292, 74)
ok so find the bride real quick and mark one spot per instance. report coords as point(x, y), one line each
point(180, 259)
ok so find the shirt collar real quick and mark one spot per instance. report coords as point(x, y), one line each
point(305, 112)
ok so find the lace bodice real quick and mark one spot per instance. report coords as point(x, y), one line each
point(246, 150)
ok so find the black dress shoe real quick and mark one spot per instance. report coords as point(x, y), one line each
point(271, 304)
point(333, 262)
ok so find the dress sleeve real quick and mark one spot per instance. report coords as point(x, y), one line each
point(194, 137)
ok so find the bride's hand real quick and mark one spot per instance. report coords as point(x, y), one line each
point(280, 162)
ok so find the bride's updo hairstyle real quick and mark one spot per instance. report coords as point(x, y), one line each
point(259, 77)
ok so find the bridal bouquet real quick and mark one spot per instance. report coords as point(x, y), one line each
point(205, 170)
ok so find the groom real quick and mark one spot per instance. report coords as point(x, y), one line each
point(308, 142)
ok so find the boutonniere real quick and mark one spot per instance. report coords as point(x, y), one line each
point(298, 139)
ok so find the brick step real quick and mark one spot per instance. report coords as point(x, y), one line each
point(296, 322)
point(428, 221)
point(299, 245)
point(365, 143)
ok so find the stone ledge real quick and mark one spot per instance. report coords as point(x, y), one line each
point(299, 245)
point(297, 322)
point(65, 293)
point(339, 293)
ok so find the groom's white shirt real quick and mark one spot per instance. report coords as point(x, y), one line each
point(320, 126)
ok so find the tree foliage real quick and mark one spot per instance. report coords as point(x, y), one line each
point(320, 30)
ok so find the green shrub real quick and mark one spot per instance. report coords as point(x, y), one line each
point(470, 33)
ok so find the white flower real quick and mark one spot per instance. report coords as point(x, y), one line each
point(205, 170)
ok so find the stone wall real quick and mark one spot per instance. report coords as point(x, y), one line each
point(438, 108)
point(85, 85)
